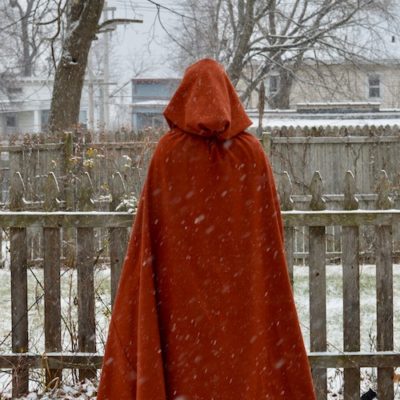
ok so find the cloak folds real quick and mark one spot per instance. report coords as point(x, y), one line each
point(204, 309)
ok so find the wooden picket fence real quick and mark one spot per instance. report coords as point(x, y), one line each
point(53, 222)
point(351, 219)
point(317, 219)
point(333, 150)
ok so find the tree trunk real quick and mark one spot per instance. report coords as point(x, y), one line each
point(84, 16)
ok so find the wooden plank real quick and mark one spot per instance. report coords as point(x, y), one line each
point(19, 306)
point(317, 276)
point(86, 304)
point(384, 289)
point(384, 303)
point(85, 270)
point(118, 236)
point(351, 290)
point(52, 289)
point(328, 140)
point(289, 250)
point(85, 360)
point(107, 219)
point(357, 359)
point(285, 194)
point(52, 360)
point(37, 146)
point(317, 282)
point(52, 295)
point(351, 307)
point(19, 291)
point(68, 194)
point(71, 219)
point(341, 218)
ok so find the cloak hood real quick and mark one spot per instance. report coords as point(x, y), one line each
point(206, 103)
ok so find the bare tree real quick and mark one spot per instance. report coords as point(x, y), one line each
point(82, 25)
point(253, 37)
point(23, 37)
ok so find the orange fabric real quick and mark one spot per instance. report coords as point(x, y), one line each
point(204, 309)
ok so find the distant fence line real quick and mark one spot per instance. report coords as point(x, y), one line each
point(300, 151)
point(332, 151)
point(68, 155)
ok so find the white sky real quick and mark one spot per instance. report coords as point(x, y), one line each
point(137, 44)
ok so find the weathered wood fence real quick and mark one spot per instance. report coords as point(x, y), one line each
point(332, 151)
point(316, 220)
point(350, 219)
point(85, 177)
point(69, 157)
point(53, 224)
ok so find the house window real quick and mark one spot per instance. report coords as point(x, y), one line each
point(11, 121)
point(374, 86)
point(273, 85)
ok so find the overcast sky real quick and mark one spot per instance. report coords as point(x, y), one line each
point(142, 45)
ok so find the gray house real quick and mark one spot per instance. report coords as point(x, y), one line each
point(149, 98)
point(25, 105)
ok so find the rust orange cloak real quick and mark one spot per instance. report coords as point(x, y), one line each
point(204, 309)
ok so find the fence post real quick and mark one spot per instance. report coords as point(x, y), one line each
point(19, 290)
point(351, 289)
point(317, 276)
point(118, 236)
point(266, 139)
point(68, 193)
point(287, 204)
point(51, 272)
point(384, 288)
point(85, 271)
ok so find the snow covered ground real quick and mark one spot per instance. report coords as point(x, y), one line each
point(102, 284)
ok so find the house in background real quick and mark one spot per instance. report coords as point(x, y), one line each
point(149, 99)
point(25, 105)
point(339, 82)
point(368, 82)
point(374, 78)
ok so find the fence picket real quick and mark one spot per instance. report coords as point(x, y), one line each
point(287, 205)
point(68, 194)
point(85, 270)
point(384, 288)
point(317, 277)
point(351, 290)
point(118, 236)
point(19, 290)
point(51, 272)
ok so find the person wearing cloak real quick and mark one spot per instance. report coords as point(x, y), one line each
point(204, 308)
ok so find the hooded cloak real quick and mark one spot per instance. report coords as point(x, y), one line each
point(204, 308)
